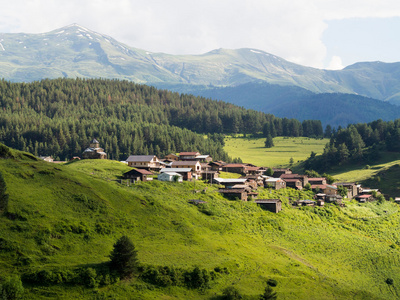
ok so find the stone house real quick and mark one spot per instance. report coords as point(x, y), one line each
point(94, 151)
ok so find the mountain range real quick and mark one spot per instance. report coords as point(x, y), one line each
point(74, 51)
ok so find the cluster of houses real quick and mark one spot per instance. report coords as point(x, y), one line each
point(192, 165)
point(186, 166)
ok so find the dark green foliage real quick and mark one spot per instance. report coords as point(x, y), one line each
point(269, 172)
point(3, 194)
point(358, 143)
point(389, 281)
point(11, 288)
point(231, 293)
point(269, 142)
point(312, 174)
point(272, 282)
point(169, 276)
point(124, 257)
point(268, 294)
point(342, 191)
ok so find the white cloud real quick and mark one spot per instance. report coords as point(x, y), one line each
point(290, 29)
point(335, 63)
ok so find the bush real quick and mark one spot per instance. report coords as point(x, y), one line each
point(272, 282)
point(11, 288)
point(231, 293)
point(268, 294)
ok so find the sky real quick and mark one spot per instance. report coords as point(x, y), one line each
point(329, 34)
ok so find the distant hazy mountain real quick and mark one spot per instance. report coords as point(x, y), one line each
point(74, 51)
point(295, 102)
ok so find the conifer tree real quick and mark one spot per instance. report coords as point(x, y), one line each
point(124, 257)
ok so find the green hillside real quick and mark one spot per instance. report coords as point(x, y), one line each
point(63, 219)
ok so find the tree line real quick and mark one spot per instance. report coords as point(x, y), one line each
point(59, 117)
point(357, 143)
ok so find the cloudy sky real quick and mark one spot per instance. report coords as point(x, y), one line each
point(319, 33)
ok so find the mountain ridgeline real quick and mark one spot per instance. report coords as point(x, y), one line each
point(77, 52)
point(59, 117)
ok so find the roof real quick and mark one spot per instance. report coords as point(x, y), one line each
point(267, 201)
point(254, 168)
point(185, 163)
point(284, 176)
point(281, 169)
point(171, 173)
point(177, 170)
point(202, 156)
point(274, 179)
point(291, 180)
point(232, 191)
point(363, 196)
point(235, 166)
point(189, 153)
point(323, 186)
point(140, 158)
point(140, 171)
point(230, 180)
point(94, 141)
point(316, 178)
point(196, 201)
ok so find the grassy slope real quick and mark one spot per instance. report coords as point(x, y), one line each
point(252, 150)
point(383, 174)
point(321, 253)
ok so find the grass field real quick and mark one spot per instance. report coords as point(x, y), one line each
point(68, 216)
point(252, 150)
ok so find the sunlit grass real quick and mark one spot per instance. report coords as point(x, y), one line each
point(252, 150)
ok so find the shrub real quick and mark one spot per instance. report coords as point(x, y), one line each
point(272, 282)
point(268, 294)
point(231, 293)
point(12, 288)
point(389, 281)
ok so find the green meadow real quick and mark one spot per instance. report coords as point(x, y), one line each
point(252, 149)
point(63, 219)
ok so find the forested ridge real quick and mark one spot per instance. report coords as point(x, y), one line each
point(357, 143)
point(59, 117)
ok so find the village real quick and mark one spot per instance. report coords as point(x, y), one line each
point(190, 166)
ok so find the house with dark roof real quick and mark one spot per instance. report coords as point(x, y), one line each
point(272, 205)
point(235, 168)
point(138, 175)
point(148, 162)
point(188, 155)
point(94, 151)
point(278, 172)
point(302, 178)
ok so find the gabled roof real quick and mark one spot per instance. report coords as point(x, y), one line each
point(171, 173)
point(230, 180)
point(140, 171)
point(180, 170)
point(185, 163)
point(235, 166)
point(202, 156)
point(266, 201)
point(94, 141)
point(140, 158)
point(189, 153)
point(316, 178)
